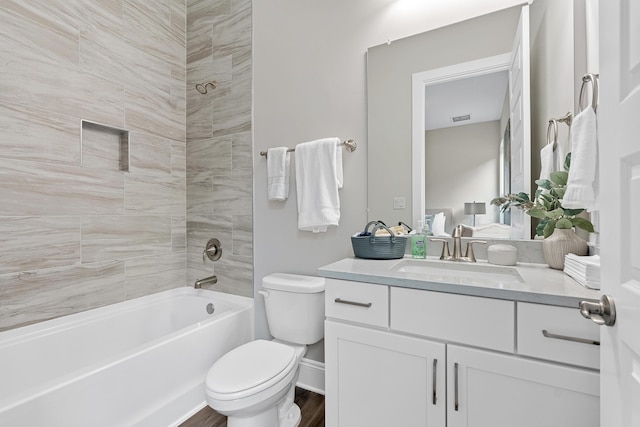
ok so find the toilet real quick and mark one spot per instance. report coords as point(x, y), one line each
point(254, 384)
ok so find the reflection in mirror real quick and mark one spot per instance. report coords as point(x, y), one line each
point(563, 43)
point(475, 142)
point(554, 46)
point(465, 120)
point(477, 91)
point(389, 74)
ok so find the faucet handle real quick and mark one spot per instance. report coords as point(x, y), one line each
point(470, 255)
point(445, 248)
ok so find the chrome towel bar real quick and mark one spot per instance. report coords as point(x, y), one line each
point(349, 144)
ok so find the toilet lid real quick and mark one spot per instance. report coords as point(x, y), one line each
point(250, 366)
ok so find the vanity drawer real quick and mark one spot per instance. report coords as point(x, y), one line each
point(464, 319)
point(562, 326)
point(357, 302)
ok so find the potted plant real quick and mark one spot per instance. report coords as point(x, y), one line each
point(556, 223)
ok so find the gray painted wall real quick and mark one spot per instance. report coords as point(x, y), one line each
point(310, 82)
point(552, 73)
point(462, 164)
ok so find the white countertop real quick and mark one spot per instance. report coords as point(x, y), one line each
point(540, 284)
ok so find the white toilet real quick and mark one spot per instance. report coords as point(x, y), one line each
point(254, 384)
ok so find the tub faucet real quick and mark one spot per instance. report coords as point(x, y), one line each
point(206, 281)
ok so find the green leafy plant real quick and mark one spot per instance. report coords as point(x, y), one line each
point(547, 204)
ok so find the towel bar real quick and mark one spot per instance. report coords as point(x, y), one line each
point(349, 144)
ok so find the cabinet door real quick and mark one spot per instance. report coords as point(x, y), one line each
point(488, 389)
point(377, 378)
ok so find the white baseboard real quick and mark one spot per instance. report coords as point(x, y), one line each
point(311, 376)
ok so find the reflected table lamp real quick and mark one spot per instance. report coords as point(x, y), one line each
point(475, 208)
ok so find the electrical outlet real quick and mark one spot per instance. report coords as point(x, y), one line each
point(399, 203)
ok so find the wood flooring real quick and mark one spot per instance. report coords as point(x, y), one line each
point(311, 405)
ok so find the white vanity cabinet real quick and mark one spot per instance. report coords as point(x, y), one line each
point(486, 388)
point(375, 377)
point(389, 350)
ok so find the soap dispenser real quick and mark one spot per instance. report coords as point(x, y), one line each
point(419, 243)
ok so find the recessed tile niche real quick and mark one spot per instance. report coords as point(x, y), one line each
point(104, 147)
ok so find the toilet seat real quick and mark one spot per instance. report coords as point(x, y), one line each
point(250, 369)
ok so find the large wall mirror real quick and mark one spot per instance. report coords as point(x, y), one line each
point(464, 162)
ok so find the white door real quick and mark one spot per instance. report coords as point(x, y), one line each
point(520, 116)
point(619, 152)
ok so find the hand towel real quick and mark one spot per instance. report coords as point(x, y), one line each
point(278, 165)
point(547, 161)
point(318, 179)
point(581, 192)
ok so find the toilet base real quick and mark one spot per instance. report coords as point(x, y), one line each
point(292, 417)
point(268, 418)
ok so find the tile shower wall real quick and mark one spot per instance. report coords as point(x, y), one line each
point(219, 142)
point(75, 231)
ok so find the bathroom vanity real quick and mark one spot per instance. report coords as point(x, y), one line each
point(434, 343)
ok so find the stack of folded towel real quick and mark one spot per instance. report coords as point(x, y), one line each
point(584, 269)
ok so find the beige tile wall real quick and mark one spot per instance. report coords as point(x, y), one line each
point(219, 142)
point(75, 231)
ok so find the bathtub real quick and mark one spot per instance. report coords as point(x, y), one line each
point(142, 362)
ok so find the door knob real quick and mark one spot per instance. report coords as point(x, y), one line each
point(602, 313)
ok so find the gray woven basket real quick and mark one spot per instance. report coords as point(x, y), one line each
point(368, 245)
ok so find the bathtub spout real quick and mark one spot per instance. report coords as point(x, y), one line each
point(206, 281)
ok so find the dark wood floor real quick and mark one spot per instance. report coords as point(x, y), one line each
point(311, 404)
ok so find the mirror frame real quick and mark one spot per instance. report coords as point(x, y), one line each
point(418, 83)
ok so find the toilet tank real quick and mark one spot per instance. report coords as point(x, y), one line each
point(295, 307)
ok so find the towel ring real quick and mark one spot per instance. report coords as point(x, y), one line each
point(593, 79)
point(553, 123)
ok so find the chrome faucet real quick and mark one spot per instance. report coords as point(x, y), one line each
point(457, 247)
point(457, 244)
point(211, 280)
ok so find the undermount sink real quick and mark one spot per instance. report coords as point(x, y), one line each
point(458, 272)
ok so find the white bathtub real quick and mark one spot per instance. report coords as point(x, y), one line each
point(138, 363)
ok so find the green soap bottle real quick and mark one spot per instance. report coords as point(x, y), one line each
point(419, 243)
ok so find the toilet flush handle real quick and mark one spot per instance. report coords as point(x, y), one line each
point(265, 294)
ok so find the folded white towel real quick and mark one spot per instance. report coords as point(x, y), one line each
point(278, 165)
point(581, 192)
point(547, 162)
point(318, 179)
point(584, 269)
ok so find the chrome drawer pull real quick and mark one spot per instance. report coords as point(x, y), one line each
point(435, 374)
point(567, 338)
point(359, 304)
point(455, 383)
